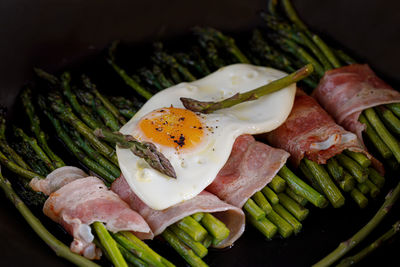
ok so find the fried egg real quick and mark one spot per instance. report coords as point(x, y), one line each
point(198, 145)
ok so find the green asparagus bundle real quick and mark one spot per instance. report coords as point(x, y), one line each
point(192, 235)
point(293, 37)
point(257, 209)
point(110, 246)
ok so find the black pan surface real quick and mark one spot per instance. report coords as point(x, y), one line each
point(55, 34)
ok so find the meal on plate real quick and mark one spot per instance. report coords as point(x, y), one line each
point(212, 138)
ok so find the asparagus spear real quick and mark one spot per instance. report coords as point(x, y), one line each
point(299, 52)
point(130, 257)
point(175, 75)
point(169, 60)
point(265, 226)
point(34, 145)
point(146, 150)
point(76, 106)
point(34, 162)
point(376, 178)
point(209, 107)
point(280, 210)
point(349, 244)
point(373, 189)
point(196, 246)
point(271, 196)
point(198, 216)
point(363, 187)
point(27, 174)
point(109, 245)
point(211, 51)
point(108, 118)
point(51, 79)
point(65, 113)
point(223, 40)
point(8, 150)
point(107, 104)
point(292, 15)
point(360, 158)
point(93, 154)
point(344, 57)
point(164, 81)
point(348, 182)
point(376, 141)
point(264, 50)
point(353, 167)
point(215, 227)
point(389, 119)
point(253, 209)
point(197, 64)
point(57, 246)
point(310, 177)
point(334, 169)
point(322, 177)
point(133, 244)
point(359, 198)
point(299, 199)
point(370, 248)
point(261, 202)
point(302, 189)
point(26, 97)
point(186, 253)
point(193, 228)
point(74, 149)
point(296, 209)
point(128, 80)
point(389, 140)
point(395, 108)
point(277, 184)
point(290, 32)
point(284, 228)
point(148, 76)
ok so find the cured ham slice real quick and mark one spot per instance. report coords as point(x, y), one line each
point(345, 92)
point(159, 220)
point(310, 131)
point(250, 167)
point(83, 201)
point(57, 179)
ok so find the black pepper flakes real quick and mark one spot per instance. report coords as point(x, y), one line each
point(181, 141)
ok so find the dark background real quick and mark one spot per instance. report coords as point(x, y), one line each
point(54, 34)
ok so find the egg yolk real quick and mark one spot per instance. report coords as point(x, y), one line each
point(173, 127)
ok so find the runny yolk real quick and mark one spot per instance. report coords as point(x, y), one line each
point(172, 127)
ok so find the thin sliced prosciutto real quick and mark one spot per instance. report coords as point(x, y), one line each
point(159, 220)
point(310, 131)
point(345, 92)
point(57, 179)
point(250, 167)
point(83, 201)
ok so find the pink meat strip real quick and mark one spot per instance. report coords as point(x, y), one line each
point(309, 124)
point(159, 220)
point(57, 179)
point(85, 200)
point(345, 92)
point(250, 167)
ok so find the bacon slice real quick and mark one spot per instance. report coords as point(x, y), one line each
point(250, 167)
point(83, 200)
point(310, 131)
point(345, 92)
point(159, 220)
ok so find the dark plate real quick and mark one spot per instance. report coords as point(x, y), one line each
point(54, 34)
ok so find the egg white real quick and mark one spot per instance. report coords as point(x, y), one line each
point(197, 168)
